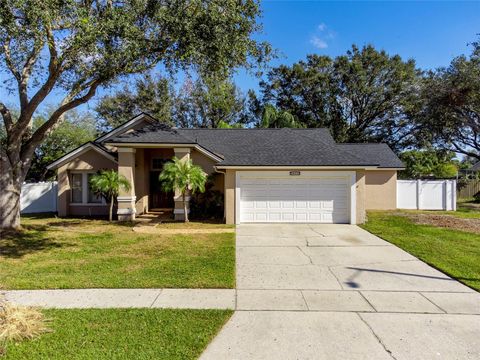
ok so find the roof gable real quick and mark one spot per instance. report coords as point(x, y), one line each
point(126, 126)
point(79, 151)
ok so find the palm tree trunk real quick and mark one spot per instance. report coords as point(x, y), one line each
point(185, 212)
point(110, 214)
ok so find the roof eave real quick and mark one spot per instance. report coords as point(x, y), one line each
point(193, 145)
point(297, 167)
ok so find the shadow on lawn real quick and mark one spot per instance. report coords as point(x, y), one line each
point(33, 238)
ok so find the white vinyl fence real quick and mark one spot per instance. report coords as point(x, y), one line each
point(427, 194)
point(38, 197)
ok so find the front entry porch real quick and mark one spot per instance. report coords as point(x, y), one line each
point(142, 165)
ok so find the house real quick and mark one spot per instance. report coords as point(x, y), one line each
point(266, 175)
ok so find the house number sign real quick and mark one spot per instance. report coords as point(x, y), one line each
point(294, 173)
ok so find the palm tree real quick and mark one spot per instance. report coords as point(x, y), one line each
point(107, 183)
point(183, 176)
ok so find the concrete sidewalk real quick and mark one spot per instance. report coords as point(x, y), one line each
point(124, 298)
point(254, 300)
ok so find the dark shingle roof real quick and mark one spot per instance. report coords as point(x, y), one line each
point(269, 147)
point(475, 167)
point(379, 151)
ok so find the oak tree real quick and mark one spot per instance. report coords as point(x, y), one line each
point(71, 48)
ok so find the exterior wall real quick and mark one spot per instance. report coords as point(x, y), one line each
point(229, 196)
point(90, 161)
point(207, 164)
point(381, 190)
point(361, 195)
point(141, 182)
point(126, 198)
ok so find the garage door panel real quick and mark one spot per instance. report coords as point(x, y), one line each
point(301, 204)
point(288, 217)
point(300, 199)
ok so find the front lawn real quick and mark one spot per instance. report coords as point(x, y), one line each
point(123, 334)
point(455, 252)
point(56, 253)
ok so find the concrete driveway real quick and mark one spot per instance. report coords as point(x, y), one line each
point(338, 292)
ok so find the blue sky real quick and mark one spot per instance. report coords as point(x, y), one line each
point(430, 32)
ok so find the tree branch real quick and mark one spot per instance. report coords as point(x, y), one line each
point(7, 117)
point(8, 60)
point(54, 71)
point(26, 71)
point(55, 118)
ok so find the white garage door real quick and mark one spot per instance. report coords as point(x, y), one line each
point(305, 197)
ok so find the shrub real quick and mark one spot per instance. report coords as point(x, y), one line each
point(18, 323)
point(476, 197)
point(209, 204)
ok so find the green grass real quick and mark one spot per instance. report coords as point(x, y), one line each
point(465, 210)
point(123, 334)
point(456, 253)
point(74, 253)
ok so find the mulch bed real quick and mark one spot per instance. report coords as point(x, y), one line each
point(447, 221)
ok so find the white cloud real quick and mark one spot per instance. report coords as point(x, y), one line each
point(323, 33)
point(318, 43)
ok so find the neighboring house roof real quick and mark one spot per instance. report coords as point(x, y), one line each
point(475, 167)
point(267, 147)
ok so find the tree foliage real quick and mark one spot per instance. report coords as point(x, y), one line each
point(71, 48)
point(361, 96)
point(183, 176)
point(209, 102)
point(107, 183)
point(450, 115)
point(147, 94)
point(428, 163)
point(275, 118)
point(77, 129)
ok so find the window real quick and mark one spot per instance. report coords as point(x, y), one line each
point(77, 188)
point(157, 164)
point(92, 197)
point(81, 191)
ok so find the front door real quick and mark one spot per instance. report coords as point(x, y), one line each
point(159, 199)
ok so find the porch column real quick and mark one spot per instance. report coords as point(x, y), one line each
point(183, 154)
point(126, 199)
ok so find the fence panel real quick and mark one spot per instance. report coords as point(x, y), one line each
point(468, 190)
point(38, 197)
point(426, 194)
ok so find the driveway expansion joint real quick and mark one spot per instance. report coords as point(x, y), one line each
point(389, 352)
point(153, 302)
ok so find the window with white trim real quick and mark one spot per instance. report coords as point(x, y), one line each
point(81, 192)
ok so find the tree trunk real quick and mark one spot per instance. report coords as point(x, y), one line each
point(11, 180)
point(185, 212)
point(110, 214)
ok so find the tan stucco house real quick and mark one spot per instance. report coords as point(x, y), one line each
point(266, 175)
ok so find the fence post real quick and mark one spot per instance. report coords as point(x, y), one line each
point(454, 195)
point(419, 191)
point(445, 195)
